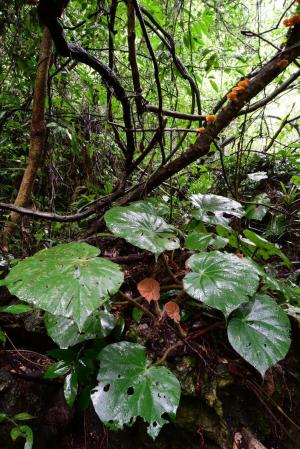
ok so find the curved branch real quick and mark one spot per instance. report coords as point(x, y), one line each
point(49, 216)
point(168, 41)
point(155, 63)
point(49, 15)
point(132, 56)
point(175, 114)
point(230, 112)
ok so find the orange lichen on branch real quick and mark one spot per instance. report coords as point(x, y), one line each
point(211, 118)
point(240, 88)
point(291, 21)
point(283, 63)
point(201, 130)
point(244, 83)
point(232, 96)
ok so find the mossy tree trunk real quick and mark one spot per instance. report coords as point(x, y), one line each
point(37, 134)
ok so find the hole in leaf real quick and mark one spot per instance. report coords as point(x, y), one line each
point(154, 424)
point(158, 395)
point(130, 391)
point(157, 383)
point(165, 416)
point(106, 387)
point(119, 376)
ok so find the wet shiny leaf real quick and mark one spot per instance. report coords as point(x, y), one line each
point(257, 212)
point(212, 208)
point(57, 369)
point(141, 229)
point(151, 206)
point(70, 388)
point(198, 241)
point(260, 332)
point(221, 280)
point(265, 248)
point(258, 176)
point(68, 280)
point(129, 387)
point(65, 332)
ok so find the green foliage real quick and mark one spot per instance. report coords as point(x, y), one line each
point(2, 337)
point(23, 432)
point(15, 309)
point(198, 241)
point(260, 332)
point(57, 370)
point(212, 209)
point(221, 280)
point(265, 248)
point(66, 333)
point(18, 430)
point(69, 280)
point(71, 283)
point(142, 229)
point(83, 161)
point(71, 388)
point(258, 212)
point(130, 387)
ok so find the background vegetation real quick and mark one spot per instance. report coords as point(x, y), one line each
point(164, 135)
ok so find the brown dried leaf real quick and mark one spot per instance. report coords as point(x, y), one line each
point(172, 310)
point(149, 288)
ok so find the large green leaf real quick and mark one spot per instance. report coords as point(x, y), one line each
point(129, 387)
point(212, 208)
point(198, 241)
point(260, 332)
point(68, 280)
point(151, 206)
point(264, 248)
point(142, 229)
point(221, 280)
point(257, 212)
point(64, 331)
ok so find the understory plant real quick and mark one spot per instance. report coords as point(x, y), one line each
point(223, 271)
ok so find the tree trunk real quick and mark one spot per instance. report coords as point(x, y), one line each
point(37, 134)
